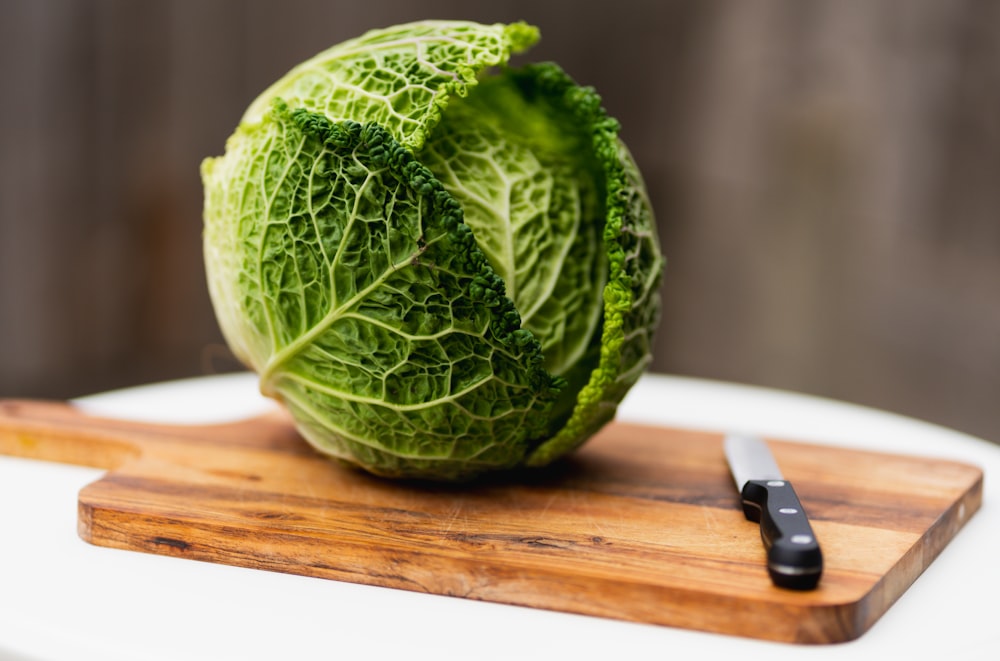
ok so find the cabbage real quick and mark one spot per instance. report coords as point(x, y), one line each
point(439, 264)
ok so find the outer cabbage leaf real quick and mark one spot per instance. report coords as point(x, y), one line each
point(390, 338)
point(400, 78)
point(631, 302)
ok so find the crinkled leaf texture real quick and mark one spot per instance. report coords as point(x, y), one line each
point(439, 271)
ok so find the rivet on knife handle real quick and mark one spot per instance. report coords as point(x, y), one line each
point(794, 559)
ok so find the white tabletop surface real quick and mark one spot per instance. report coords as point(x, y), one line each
point(61, 598)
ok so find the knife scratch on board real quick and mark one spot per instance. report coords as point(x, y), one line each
point(453, 516)
point(710, 515)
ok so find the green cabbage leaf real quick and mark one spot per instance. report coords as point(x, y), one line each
point(441, 265)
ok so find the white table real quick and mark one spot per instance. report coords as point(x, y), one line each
point(61, 598)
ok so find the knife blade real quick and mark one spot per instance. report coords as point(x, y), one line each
point(794, 558)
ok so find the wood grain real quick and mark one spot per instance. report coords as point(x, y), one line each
point(642, 524)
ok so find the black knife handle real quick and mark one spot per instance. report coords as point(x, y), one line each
point(794, 559)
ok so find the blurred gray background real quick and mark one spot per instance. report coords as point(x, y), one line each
point(826, 176)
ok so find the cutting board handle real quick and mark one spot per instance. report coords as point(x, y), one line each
point(61, 432)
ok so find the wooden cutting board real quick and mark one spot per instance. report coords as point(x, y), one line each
point(641, 524)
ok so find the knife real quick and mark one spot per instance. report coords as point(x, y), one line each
point(794, 559)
